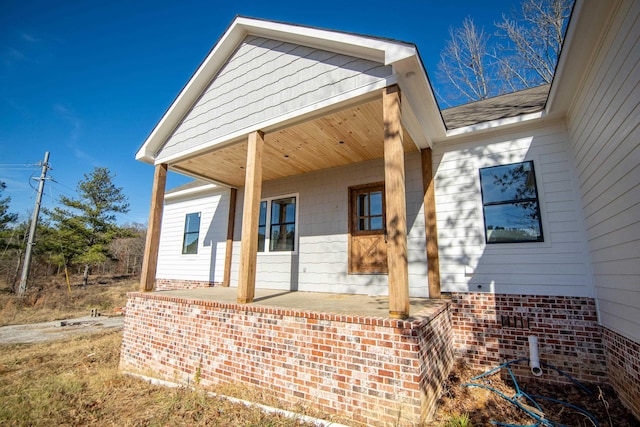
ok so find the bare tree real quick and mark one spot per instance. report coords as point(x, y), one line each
point(128, 251)
point(473, 66)
point(463, 62)
point(535, 36)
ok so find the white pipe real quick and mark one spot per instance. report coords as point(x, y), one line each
point(534, 358)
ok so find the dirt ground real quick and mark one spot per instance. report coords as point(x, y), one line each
point(592, 405)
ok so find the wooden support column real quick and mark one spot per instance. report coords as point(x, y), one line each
point(396, 207)
point(150, 260)
point(429, 199)
point(250, 216)
point(226, 281)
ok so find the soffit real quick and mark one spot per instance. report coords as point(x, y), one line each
point(349, 136)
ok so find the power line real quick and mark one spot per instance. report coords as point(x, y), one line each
point(18, 165)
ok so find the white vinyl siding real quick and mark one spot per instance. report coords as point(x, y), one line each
point(557, 266)
point(265, 79)
point(604, 124)
point(207, 265)
point(321, 262)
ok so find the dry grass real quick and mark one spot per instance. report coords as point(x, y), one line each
point(53, 301)
point(77, 383)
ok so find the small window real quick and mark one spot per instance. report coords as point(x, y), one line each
point(283, 225)
point(279, 215)
point(510, 203)
point(191, 233)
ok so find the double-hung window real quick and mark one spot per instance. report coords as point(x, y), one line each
point(277, 225)
point(191, 233)
point(510, 203)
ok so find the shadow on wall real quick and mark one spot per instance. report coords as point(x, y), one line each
point(216, 237)
point(503, 293)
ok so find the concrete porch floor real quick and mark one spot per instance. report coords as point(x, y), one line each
point(320, 302)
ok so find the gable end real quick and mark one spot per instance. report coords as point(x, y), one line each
point(267, 79)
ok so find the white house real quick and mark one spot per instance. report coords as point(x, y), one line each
point(325, 165)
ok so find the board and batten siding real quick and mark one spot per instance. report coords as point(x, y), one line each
point(558, 266)
point(604, 126)
point(208, 264)
point(321, 261)
point(265, 79)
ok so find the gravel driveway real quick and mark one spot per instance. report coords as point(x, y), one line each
point(59, 329)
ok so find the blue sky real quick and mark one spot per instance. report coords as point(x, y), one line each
point(88, 80)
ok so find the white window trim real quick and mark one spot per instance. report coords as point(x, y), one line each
point(267, 233)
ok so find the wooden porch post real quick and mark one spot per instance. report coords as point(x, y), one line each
point(431, 228)
point(150, 260)
point(396, 206)
point(226, 281)
point(250, 215)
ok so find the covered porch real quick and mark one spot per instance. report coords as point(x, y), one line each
point(274, 101)
point(371, 129)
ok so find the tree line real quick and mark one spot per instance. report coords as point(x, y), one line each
point(79, 237)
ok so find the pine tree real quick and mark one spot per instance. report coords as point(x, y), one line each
point(87, 224)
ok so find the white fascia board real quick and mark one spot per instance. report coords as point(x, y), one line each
point(184, 172)
point(423, 119)
point(191, 192)
point(412, 124)
point(323, 107)
point(581, 44)
point(495, 124)
point(371, 48)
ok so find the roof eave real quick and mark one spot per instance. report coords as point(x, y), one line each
point(585, 28)
point(380, 50)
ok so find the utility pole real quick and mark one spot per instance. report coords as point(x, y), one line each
point(32, 230)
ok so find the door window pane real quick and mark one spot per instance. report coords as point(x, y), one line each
point(369, 210)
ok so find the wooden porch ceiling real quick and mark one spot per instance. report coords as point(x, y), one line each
point(349, 136)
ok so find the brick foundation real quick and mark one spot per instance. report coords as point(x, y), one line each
point(378, 371)
point(491, 329)
point(172, 284)
point(623, 362)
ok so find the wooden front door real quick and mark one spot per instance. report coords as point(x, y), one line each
point(367, 231)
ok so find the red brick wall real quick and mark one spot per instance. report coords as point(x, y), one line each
point(569, 336)
point(378, 371)
point(170, 284)
point(623, 362)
